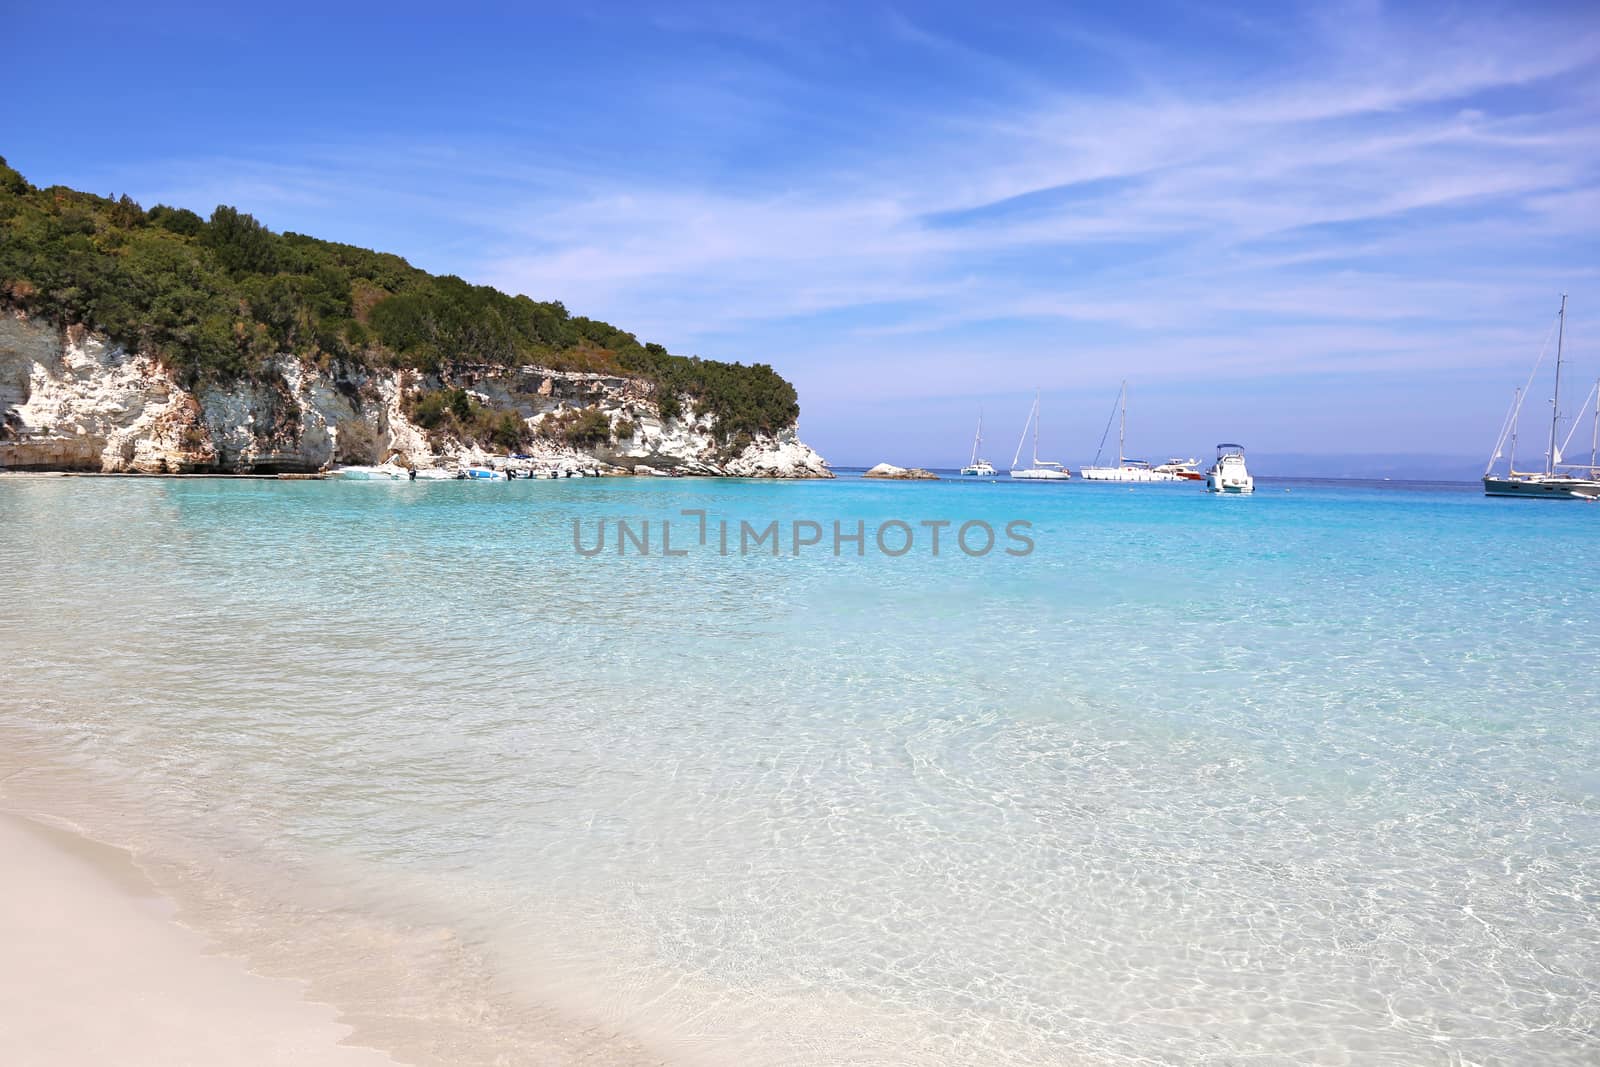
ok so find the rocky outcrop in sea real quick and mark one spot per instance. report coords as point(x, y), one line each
point(890, 471)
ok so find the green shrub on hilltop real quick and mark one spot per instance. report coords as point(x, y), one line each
point(217, 298)
point(745, 399)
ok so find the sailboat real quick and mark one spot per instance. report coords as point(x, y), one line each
point(979, 468)
point(1559, 480)
point(1126, 470)
point(1039, 469)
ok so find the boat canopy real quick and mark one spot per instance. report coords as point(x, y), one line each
point(1235, 448)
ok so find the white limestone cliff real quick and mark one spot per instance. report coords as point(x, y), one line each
point(70, 400)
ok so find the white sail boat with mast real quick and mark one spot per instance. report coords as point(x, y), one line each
point(1594, 435)
point(976, 467)
point(1126, 470)
point(1559, 480)
point(1039, 469)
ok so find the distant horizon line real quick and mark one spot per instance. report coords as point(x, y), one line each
point(1004, 473)
point(1434, 465)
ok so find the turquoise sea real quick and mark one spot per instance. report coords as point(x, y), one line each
point(1307, 777)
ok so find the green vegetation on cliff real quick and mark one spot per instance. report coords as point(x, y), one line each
point(217, 298)
point(455, 411)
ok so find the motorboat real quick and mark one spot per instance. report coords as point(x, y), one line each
point(388, 472)
point(1186, 470)
point(1229, 473)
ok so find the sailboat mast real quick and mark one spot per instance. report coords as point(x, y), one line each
point(1032, 413)
point(1036, 429)
point(1516, 415)
point(1555, 399)
point(1594, 440)
point(1122, 427)
point(977, 442)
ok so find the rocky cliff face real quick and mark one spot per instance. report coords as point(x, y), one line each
point(71, 401)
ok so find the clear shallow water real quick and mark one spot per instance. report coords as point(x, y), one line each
point(1307, 777)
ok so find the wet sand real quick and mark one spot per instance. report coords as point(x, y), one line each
point(95, 970)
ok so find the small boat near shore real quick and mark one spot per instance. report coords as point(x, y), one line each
point(392, 472)
point(388, 472)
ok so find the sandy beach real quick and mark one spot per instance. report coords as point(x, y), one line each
point(96, 971)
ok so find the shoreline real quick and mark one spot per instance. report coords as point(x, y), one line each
point(315, 477)
point(97, 969)
point(338, 978)
point(161, 954)
point(334, 474)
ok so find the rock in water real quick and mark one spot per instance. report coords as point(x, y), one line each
point(889, 470)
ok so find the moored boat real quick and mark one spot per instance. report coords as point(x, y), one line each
point(1229, 473)
point(1126, 470)
point(388, 472)
point(1045, 470)
point(1185, 470)
point(1555, 487)
point(1559, 480)
point(977, 467)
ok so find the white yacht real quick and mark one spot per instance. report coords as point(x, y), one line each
point(1229, 474)
point(1558, 480)
point(1039, 469)
point(979, 468)
point(1185, 470)
point(1126, 470)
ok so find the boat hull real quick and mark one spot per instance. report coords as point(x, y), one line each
point(373, 474)
point(1543, 488)
point(1231, 481)
point(1042, 475)
point(1228, 474)
point(1126, 474)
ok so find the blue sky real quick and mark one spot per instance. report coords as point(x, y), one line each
point(1329, 228)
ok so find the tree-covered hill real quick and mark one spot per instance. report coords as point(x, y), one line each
point(216, 298)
